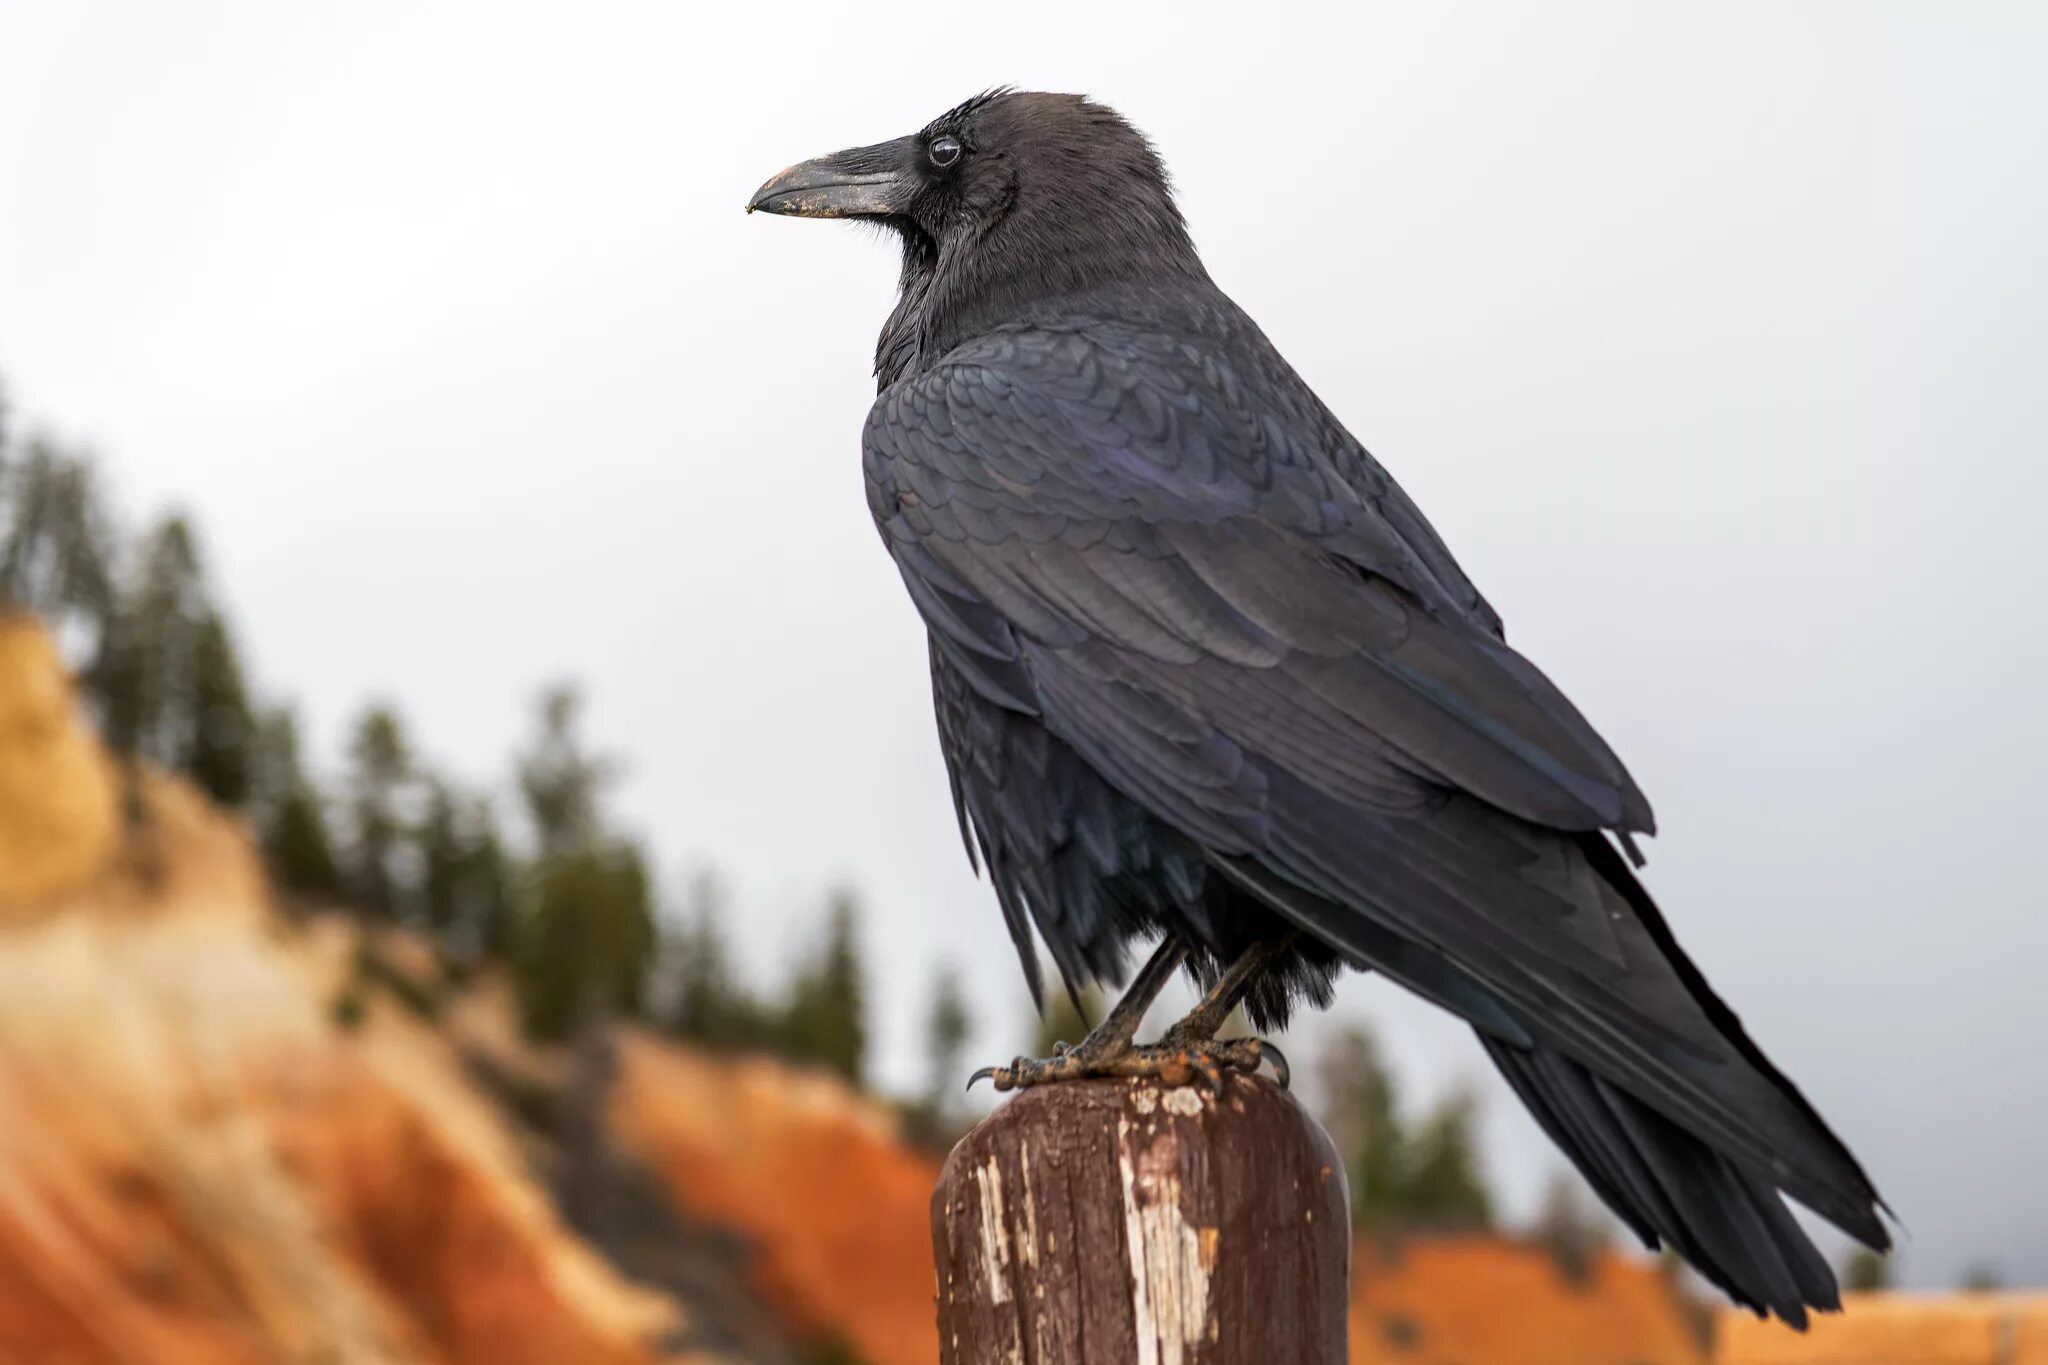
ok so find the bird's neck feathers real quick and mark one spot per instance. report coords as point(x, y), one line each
point(1073, 245)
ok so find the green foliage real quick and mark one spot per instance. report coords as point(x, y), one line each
point(289, 817)
point(486, 908)
point(562, 784)
point(713, 1008)
point(152, 656)
point(167, 679)
point(1982, 1278)
point(832, 1349)
point(947, 1028)
point(56, 546)
point(587, 942)
point(380, 766)
point(1445, 1184)
point(1571, 1227)
point(1865, 1271)
point(441, 860)
point(1430, 1178)
point(826, 1020)
point(1063, 1020)
point(221, 753)
point(1363, 1118)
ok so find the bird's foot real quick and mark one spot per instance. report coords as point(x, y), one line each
point(1171, 1062)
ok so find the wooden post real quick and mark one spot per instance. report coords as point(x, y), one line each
point(1120, 1222)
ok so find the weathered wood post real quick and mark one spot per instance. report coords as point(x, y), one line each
point(1120, 1222)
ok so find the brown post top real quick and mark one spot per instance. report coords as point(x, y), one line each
point(1122, 1222)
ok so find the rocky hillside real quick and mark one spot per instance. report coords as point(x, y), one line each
point(199, 1164)
point(229, 1142)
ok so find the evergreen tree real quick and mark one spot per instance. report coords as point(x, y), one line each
point(1065, 1019)
point(152, 701)
point(1865, 1271)
point(711, 1006)
point(946, 1031)
point(585, 949)
point(1981, 1277)
point(562, 783)
point(1362, 1114)
point(827, 1016)
point(380, 766)
point(1445, 1185)
point(442, 859)
point(56, 546)
point(488, 884)
point(221, 756)
point(1428, 1178)
point(289, 817)
point(1570, 1227)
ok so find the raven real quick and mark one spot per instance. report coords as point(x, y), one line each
point(1205, 674)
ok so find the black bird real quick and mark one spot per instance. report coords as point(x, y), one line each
point(1204, 673)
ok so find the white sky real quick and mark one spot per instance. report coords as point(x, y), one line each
point(1712, 337)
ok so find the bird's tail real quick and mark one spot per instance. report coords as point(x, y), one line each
point(1671, 1188)
point(1721, 1213)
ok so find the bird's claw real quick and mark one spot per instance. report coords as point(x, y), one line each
point(998, 1076)
point(1171, 1062)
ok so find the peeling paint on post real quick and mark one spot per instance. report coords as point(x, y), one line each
point(1112, 1222)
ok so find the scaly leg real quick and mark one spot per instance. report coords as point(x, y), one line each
point(1108, 1042)
point(1195, 1034)
point(1188, 1050)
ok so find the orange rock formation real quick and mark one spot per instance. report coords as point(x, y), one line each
point(811, 1172)
point(1899, 1329)
point(1466, 1300)
point(197, 1165)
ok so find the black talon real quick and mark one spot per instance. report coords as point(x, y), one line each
point(987, 1073)
point(1281, 1071)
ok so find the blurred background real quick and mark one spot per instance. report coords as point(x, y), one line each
point(476, 875)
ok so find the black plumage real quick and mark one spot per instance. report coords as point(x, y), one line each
point(1202, 670)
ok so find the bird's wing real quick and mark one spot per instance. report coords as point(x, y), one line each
point(1104, 491)
point(1109, 530)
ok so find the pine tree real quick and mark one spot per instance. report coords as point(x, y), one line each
point(488, 883)
point(442, 861)
point(1363, 1117)
point(154, 706)
point(1865, 1271)
point(947, 1029)
point(56, 545)
point(585, 950)
point(220, 755)
point(288, 813)
point(826, 1020)
point(1065, 1019)
point(1981, 1277)
point(1570, 1227)
point(562, 784)
point(380, 765)
point(1445, 1186)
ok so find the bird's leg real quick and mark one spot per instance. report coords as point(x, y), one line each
point(1108, 1042)
point(1189, 1048)
point(1195, 1035)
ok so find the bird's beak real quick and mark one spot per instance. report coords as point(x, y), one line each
point(860, 182)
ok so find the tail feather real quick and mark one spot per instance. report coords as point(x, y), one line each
point(1671, 1188)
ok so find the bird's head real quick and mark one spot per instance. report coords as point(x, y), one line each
point(1012, 199)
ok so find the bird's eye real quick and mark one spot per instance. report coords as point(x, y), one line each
point(944, 151)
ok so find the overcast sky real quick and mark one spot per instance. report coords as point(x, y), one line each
point(1713, 338)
